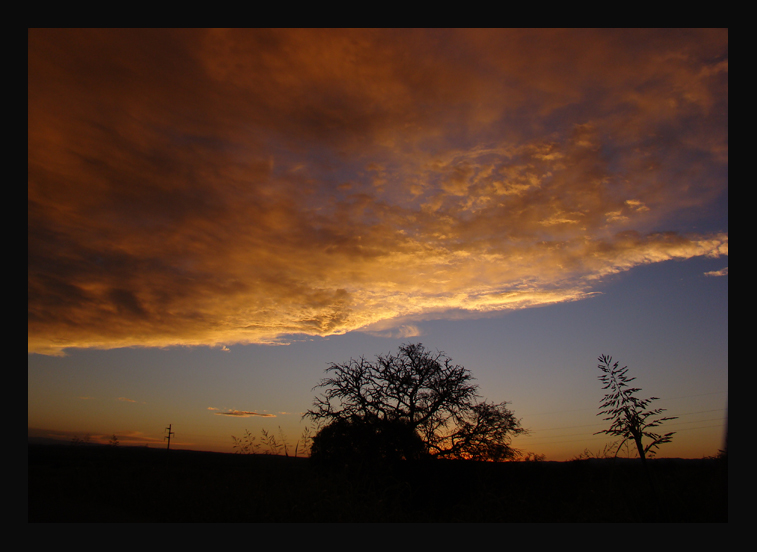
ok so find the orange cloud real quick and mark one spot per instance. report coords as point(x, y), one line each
point(243, 414)
point(222, 187)
point(721, 272)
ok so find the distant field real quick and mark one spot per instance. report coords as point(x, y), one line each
point(123, 484)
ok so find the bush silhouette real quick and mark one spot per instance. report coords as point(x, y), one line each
point(359, 444)
point(405, 402)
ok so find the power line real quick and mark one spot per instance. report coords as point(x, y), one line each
point(594, 437)
point(669, 423)
point(699, 395)
point(602, 423)
point(696, 421)
point(598, 437)
point(703, 411)
point(702, 427)
point(666, 398)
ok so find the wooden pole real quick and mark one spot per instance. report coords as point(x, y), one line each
point(169, 436)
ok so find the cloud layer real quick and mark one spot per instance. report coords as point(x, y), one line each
point(222, 187)
point(242, 414)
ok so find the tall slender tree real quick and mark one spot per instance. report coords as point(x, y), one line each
point(631, 417)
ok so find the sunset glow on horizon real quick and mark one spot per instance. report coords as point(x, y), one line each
point(198, 199)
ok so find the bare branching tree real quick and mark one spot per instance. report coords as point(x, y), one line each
point(630, 416)
point(422, 390)
point(483, 432)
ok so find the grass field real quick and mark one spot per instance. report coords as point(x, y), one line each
point(130, 484)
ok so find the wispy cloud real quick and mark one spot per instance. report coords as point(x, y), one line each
point(245, 186)
point(124, 399)
point(721, 272)
point(395, 329)
point(242, 414)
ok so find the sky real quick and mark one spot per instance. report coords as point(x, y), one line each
point(214, 216)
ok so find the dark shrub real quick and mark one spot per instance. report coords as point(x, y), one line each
point(360, 444)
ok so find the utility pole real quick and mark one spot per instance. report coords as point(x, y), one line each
point(168, 429)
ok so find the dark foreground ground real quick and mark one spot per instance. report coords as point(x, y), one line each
point(103, 484)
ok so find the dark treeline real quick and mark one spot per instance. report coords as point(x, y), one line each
point(133, 484)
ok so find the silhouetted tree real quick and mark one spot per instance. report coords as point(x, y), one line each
point(629, 414)
point(415, 392)
point(484, 432)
